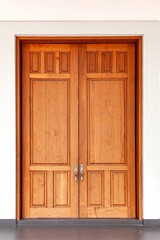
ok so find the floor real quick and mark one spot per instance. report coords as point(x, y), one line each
point(80, 233)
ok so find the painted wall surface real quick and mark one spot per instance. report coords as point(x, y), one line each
point(79, 10)
point(151, 166)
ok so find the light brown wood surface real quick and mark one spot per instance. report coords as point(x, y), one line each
point(106, 147)
point(107, 130)
point(50, 130)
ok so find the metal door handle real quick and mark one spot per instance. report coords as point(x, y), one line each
point(81, 172)
point(75, 172)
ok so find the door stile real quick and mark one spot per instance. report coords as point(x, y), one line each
point(74, 128)
point(25, 131)
point(83, 151)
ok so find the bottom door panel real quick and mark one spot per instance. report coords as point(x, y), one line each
point(50, 194)
point(107, 194)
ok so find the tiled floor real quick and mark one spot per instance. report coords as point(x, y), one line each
point(79, 233)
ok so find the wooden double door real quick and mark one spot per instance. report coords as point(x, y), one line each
point(78, 131)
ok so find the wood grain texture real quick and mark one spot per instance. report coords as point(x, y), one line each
point(139, 127)
point(92, 62)
point(79, 39)
point(25, 132)
point(106, 119)
point(131, 131)
point(64, 62)
point(54, 76)
point(36, 40)
point(50, 131)
point(107, 132)
point(83, 129)
point(107, 62)
point(35, 62)
point(74, 128)
point(121, 61)
point(119, 187)
point(49, 62)
point(50, 188)
point(95, 188)
point(62, 189)
point(38, 189)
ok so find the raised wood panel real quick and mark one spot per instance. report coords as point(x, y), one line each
point(38, 189)
point(61, 189)
point(50, 122)
point(107, 62)
point(92, 62)
point(121, 61)
point(64, 62)
point(35, 62)
point(49, 62)
point(95, 188)
point(106, 121)
point(119, 187)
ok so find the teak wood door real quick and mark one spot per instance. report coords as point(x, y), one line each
point(107, 130)
point(50, 130)
point(78, 108)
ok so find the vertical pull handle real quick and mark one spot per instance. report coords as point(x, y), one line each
point(81, 172)
point(75, 172)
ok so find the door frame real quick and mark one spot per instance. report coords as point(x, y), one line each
point(137, 40)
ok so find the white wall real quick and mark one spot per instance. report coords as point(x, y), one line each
point(79, 10)
point(151, 166)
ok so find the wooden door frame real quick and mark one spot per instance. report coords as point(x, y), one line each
point(137, 40)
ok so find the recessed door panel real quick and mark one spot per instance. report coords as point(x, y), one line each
point(50, 121)
point(106, 120)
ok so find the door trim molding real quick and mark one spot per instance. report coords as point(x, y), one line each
point(137, 40)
